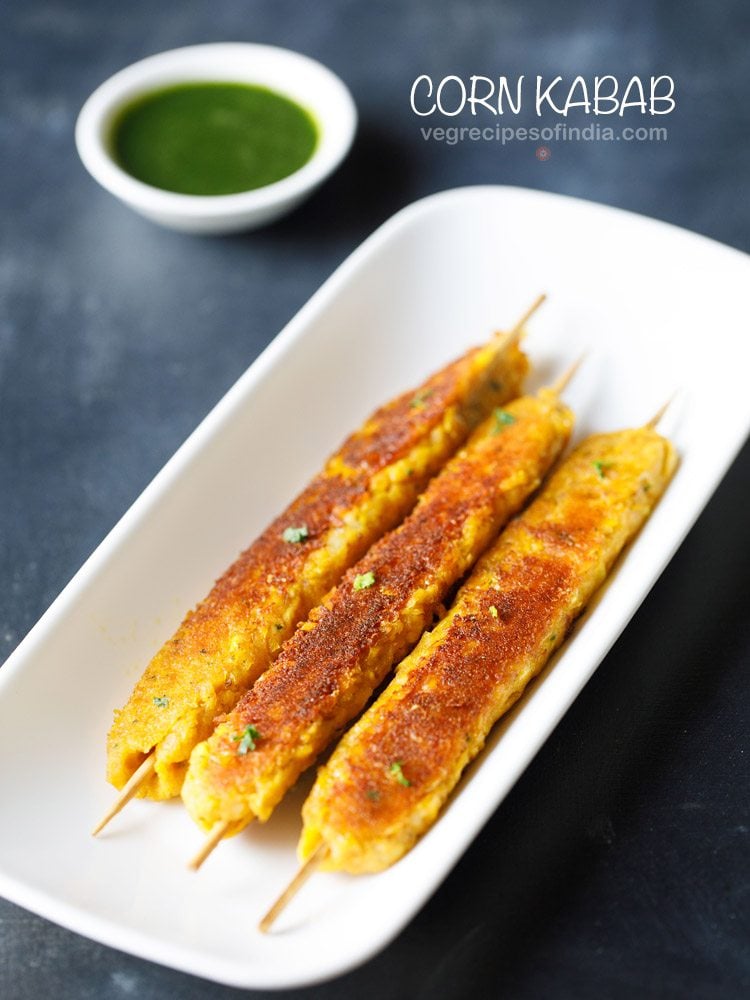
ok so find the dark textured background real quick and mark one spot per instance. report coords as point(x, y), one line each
point(618, 865)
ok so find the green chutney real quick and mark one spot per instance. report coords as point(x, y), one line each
point(212, 138)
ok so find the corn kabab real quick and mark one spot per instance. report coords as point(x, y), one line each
point(328, 671)
point(365, 489)
point(387, 780)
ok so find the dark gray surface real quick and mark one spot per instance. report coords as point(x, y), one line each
point(618, 865)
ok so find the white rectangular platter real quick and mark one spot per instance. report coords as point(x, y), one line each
point(656, 308)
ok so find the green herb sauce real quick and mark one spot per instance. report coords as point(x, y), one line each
point(213, 138)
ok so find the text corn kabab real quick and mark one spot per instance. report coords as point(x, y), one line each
point(328, 671)
point(231, 637)
point(390, 775)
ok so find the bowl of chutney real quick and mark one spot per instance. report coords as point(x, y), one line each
point(216, 138)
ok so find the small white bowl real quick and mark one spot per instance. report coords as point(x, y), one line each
point(296, 76)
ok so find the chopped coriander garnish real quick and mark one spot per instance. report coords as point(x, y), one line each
point(373, 794)
point(601, 467)
point(161, 702)
point(364, 580)
point(247, 739)
point(420, 399)
point(493, 610)
point(552, 637)
point(296, 534)
point(646, 487)
point(396, 769)
point(503, 419)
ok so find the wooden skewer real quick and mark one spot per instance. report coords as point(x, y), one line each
point(521, 323)
point(310, 866)
point(137, 778)
point(216, 835)
point(562, 382)
point(653, 422)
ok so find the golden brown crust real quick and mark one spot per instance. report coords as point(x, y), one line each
point(391, 774)
point(366, 488)
point(326, 673)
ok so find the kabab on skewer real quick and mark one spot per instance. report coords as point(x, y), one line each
point(391, 774)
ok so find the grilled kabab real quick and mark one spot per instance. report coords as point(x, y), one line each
point(390, 775)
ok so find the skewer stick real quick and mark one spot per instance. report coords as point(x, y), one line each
point(216, 835)
point(137, 778)
point(310, 866)
point(653, 422)
point(562, 382)
point(521, 323)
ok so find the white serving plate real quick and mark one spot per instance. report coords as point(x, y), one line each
point(658, 309)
